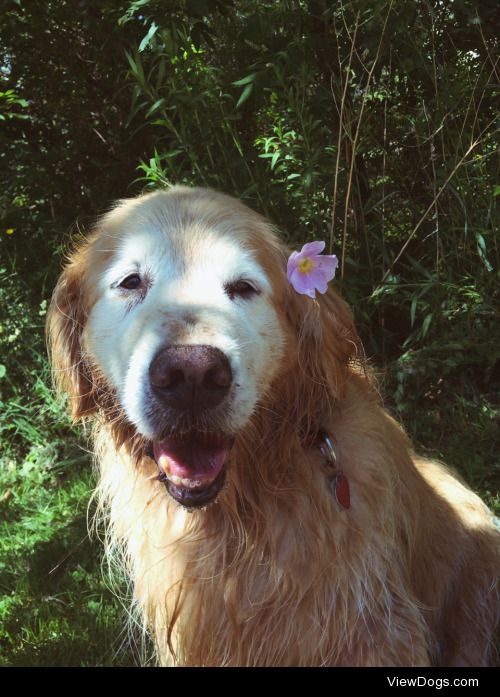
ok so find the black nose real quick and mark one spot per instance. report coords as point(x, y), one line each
point(190, 377)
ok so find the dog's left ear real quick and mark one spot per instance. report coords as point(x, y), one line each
point(327, 340)
point(339, 338)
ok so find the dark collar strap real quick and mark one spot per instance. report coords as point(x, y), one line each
point(337, 481)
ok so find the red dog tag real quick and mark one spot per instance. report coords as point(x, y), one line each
point(341, 490)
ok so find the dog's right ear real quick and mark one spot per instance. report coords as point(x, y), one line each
point(65, 321)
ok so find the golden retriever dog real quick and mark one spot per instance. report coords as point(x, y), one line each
point(269, 510)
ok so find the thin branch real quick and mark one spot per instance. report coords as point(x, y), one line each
point(434, 201)
point(341, 129)
point(355, 142)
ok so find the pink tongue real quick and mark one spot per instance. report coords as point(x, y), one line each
point(190, 459)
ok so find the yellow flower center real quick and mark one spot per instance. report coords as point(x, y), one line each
point(305, 265)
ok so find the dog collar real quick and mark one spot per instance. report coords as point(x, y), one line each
point(337, 481)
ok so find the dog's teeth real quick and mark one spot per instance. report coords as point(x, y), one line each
point(164, 463)
point(185, 482)
point(191, 483)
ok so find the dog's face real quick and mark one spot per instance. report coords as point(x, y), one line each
point(175, 321)
point(184, 329)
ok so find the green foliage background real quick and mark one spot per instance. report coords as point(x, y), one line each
point(371, 124)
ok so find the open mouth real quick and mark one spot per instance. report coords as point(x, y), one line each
point(192, 466)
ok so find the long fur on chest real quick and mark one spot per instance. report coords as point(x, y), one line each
point(276, 572)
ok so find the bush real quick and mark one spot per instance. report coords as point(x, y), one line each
point(371, 125)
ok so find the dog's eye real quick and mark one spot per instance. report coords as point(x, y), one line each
point(131, 282)
point(241, 289)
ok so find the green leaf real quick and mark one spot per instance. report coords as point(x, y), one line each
point(3, 371)
point(413, 310)
point(481, 250)
point(275, 158)
point(161, 72)
point(426, 324)
point(418, 266)
point(245, 80)
point(244, 95)
point(159, 103)
point(151, 32)
point(496, 190)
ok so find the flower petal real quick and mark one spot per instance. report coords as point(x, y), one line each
point(321, 284)
point(309, 270)
point(327, 265)
point(317, 279)
point(293, 261)
point(302, 283)
point(312, 248)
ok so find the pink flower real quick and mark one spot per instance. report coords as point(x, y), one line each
point(309, 270)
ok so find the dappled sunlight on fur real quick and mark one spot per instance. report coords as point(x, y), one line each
point(275, 572)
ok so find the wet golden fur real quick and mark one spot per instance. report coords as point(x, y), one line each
point(275, 572)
